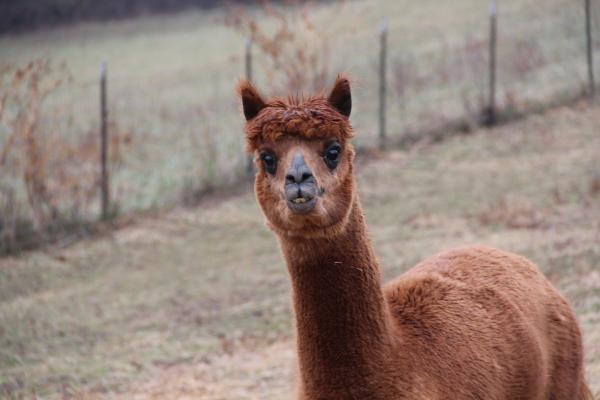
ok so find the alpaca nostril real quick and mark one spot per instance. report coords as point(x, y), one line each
point(298, 177)
point(306, 176)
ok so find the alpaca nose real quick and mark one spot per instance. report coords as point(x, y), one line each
point(300, 186)
point(298, 172)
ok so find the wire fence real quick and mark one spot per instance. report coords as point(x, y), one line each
point(540, 59)
point(175, 134)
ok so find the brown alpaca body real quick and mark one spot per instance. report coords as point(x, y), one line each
point(470, 323)
point(510, 334)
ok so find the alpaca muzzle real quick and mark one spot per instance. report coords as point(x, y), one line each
point(301, 199)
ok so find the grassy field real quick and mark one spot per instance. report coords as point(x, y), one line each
point(195, 302)
point(171, 78)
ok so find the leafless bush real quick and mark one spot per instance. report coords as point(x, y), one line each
point(463, 70)
point(525, 57)
point(474, 64)
point(46, 177)
point(595, 184)
point(203, 146)
point(512, 214)
point(406, 78)
point(297, 51)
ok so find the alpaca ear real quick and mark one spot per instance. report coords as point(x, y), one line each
point(252, 102)
point(340, 97)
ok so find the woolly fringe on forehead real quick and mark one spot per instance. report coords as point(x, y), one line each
point(313, 118)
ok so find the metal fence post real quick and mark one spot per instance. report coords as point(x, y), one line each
point(493, 49)
point(590, 55)
point(104, 178)
point(382, 84)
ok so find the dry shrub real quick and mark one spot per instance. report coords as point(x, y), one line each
point(464, 67)
point(47, 179)
point(595, 185)
point(203, 145)
point(516, 215)
point(525, 56)
point(473, 62)
point(406, 79)
point(297, 50)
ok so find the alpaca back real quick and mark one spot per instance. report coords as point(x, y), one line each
point(483, 323)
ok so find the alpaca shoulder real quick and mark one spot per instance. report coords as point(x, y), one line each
point(473, 292)
point(467, 302)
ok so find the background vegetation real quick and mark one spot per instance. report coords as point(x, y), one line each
point(174, 122)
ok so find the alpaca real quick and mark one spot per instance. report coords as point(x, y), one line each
point(469, 323)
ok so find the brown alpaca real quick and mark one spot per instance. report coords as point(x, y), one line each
point(470, 323)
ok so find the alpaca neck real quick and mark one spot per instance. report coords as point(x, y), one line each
point(342, 324)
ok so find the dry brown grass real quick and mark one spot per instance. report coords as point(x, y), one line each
point(195, 303)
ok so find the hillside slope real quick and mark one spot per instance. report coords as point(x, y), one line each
point(195, 302)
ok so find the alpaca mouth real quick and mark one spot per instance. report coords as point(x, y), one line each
point(302, 204)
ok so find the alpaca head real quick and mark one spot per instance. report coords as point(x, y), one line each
point(303, 155)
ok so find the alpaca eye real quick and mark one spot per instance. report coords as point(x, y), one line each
point(332, 155)
point(269, 161)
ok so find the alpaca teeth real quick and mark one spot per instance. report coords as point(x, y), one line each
point(300, 200)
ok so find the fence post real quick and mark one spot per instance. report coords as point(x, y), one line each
point(590, 55)
point(248, 58)
point(382, 84)
point(104, 183)
point(492, 78)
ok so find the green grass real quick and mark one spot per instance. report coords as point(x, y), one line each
point(171, 79)
point(196, 301)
